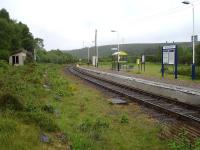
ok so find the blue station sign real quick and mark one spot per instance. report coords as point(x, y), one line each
point(169, 57)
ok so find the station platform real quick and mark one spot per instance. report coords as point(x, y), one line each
point(185, 92)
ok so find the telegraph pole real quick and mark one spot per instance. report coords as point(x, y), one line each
point(96, 48)
point(88, 54)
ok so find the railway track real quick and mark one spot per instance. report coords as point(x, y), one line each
point(179, 110)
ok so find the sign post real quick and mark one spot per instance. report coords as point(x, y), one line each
point(143, 62)
point(170, 57)
point(138, 63)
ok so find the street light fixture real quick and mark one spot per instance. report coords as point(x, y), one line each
point(117, 48)
point(186, 2)
point(193, 44)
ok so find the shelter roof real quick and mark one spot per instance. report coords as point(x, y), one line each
point(121, 53)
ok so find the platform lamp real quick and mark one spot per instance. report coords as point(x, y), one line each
point(117, 48)
point(193, 44)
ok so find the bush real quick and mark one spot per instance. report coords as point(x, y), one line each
point(48, 108)
point(86, 125)
point(11, 102)
point(197, 145)
point(184, 71)
point(3, 64)
point(181, 143)
point(124, 119)
point(30, 107)
point(44, 121)
point(99, 124)
point(4, 54)
point(94, 129)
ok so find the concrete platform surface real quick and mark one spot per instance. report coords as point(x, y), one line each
point(180, 93)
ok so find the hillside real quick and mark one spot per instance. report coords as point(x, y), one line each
point(131, 49)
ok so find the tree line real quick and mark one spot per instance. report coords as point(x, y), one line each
point(184, 55)
point(13, 35)
point(16, 35)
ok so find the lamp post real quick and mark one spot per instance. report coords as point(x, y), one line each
point(193, 44)
point(88, 54)
point(96, 48)
point(117, 48)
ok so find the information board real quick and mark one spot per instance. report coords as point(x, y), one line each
point(169, 54)
point(165, 57)
point(169, 57)
point(143, 59)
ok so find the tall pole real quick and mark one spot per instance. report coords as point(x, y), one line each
point(96, 48)
point(193, 47)
point(118, 51)
point(34, 51)
point(88, 55)
point(193, 41)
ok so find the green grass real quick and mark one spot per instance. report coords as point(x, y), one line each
point(92, 122)
point(15, 135)
point(70, 113)
point(153, 70)
point(23, 98)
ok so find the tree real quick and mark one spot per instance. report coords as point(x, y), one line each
point(55, 56)
point(197, 58)
point(27, 39)
point(5, 34)
point(4, 14)
point(14, 35)
point(39, 43)
point(28, 44)
point(158, 58)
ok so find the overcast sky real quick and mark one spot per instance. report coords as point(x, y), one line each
point(65, 24)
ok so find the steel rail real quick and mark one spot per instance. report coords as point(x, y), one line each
point(162, 104)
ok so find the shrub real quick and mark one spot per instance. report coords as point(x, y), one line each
point(44, 121)
point(98, 124)
point(8, 101)
point(60, 92)
point(197, 144)
point(184, 71)
point(86, 125)
point(48, 108)
point(181, 143)
point(95, 128)
point(124, 119)
point(101, 123)
point(3, 64)
point(30, 107)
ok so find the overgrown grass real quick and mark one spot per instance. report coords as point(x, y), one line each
point(183, 143)
point(15, 135)
point(92, 123)
point(71, 114)
point(25, 112)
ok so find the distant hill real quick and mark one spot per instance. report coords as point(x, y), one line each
point(132, 49)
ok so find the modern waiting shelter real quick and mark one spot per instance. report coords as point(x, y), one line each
point(122, 60)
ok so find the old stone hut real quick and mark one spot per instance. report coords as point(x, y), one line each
point(18, 58)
